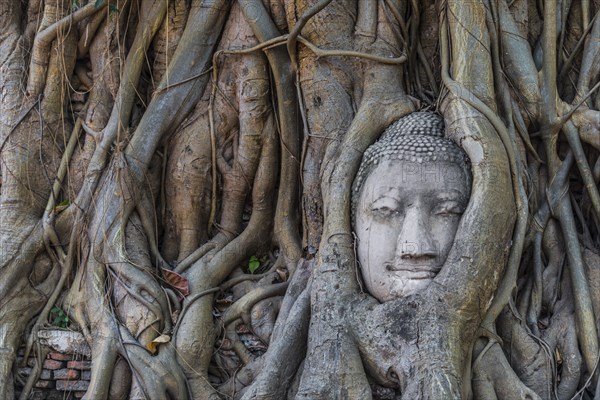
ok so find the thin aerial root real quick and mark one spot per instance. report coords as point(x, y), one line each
point(295, 32)
point(43, 40)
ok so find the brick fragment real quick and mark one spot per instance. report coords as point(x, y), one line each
point(66, 374)
point(84, 365)
point(86, 375)
point(76, 386)
point(60, 356)
point(46, 374)
point(53, 364)
point(79, 395)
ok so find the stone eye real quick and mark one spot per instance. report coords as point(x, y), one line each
point(385, 212)
point(449, 208)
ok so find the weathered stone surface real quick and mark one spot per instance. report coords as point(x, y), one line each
point(66, 342)
point(72, 385)
point(66, 374)
point(412, 187)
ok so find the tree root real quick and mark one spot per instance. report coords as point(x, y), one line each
point(494, 378)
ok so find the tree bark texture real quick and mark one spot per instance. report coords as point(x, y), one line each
point(175, 176)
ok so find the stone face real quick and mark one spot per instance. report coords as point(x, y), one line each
point(416, 138)
point(66, 342)
point(407, 206)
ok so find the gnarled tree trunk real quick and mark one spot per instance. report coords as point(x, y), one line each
point(176, 176)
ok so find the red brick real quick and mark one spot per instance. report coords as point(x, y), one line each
point(76, 386)
point(44, 384)
point(79, 365)
point(60, 356)
point(86, 375)
point(53, 364)
point(79, 395)
point(67, 374)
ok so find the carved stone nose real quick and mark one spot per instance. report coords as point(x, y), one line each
point(417, 251)
point(415, 241)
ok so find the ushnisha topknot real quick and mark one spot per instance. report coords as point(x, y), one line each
point(417, 137)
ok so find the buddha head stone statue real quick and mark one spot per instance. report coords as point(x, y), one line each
point(408, 196)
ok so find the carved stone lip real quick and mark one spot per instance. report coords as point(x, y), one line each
point(414, 271)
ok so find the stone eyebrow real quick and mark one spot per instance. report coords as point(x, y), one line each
point(385, 196)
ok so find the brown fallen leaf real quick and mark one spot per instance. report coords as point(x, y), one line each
point(153, 345)
point(178, 282)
